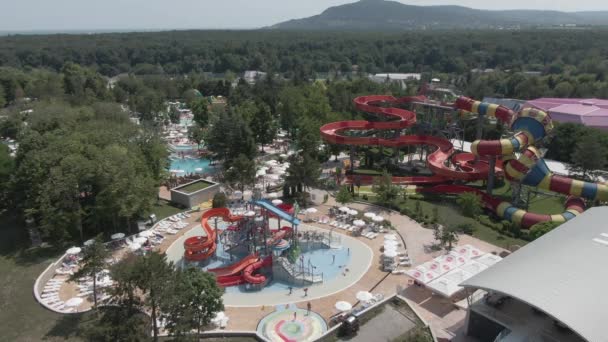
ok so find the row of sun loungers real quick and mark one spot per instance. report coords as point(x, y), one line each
point(50, 295)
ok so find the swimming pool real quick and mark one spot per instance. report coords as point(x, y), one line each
point(189, 165)
point(182, 147)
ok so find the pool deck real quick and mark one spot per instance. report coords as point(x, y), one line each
point(441, 314)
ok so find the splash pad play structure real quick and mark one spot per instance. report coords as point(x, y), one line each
point(262, 249)
point(516, 158)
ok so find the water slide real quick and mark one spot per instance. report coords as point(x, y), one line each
point(199, 248)
point(256, 279)
point(277, 212)
point(463, 166)
point(522, 162)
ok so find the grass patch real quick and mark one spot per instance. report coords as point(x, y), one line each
point(22, 317)
point(194, 187)
point(164, 209)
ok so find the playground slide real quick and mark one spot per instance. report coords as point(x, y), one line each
point(199, 248)
point(278, 235)
point(256, 279)
point(574, 206)
point(467, 168)
point(277, 212)
point(235, 268)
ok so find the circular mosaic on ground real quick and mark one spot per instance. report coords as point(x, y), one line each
point(282, 325)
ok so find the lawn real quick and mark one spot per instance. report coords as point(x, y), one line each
point(194, 187)
point(165, 209)
point(23, 319)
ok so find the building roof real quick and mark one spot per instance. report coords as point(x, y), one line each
point(562, 273)
point(590, 112)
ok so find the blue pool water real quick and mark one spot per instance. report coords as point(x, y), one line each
point(183, 147)
point(189, 165)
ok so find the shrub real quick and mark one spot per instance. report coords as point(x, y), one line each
point(465, 228)
point(470, 204)
point(541, 229)
point(365, 198)
point(219, 200)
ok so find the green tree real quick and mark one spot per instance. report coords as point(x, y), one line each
point(241, 172)
point(303, 171)
point(386, 192)
point(2, 97)
point(563, 89)
point(174, 115)
point(344, 195)
point(446, 237)
point(219, 200)
point(193, 300)
point(263, 126)
point(470, 204)
point(197, 134)
point(154, 275)
point(116, 323)
point(7, 165)
point(93, 262)
point(541, 229)
point(589, 156)
point(200, 111)
point(229, 137)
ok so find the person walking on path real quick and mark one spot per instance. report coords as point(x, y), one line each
point(295, 315)
point(333, 259)
point(290, 290)
point(308, 307)
point(306, 292)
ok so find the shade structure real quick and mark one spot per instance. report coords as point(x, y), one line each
point(145, 233)
point(343, 306)
point(277, 201)
point(488, 259)
point(364, 296)
point(74, 250)
point(134, 246)
point(352, 212)
point(117, 236)
point(74, 302)
point(393, 243)
point(359, 223)
point(344, 209)
point(377, 218)
point(391, 253)
point(390, 237)
point(312, 210)
point(468, 251)
point(250, 213)
point(89, 242)
point(422, 274)
point(140, 240)
point(369, 214)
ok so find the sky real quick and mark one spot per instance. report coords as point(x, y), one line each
point(82, 15)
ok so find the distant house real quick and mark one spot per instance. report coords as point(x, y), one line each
point(251, 76)
point(401, 79)
point(588, 112)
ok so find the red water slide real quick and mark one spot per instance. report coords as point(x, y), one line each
point(199, 248)
point(463, 166)
point(256, 279)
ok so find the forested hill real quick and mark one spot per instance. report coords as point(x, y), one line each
point(392, 15)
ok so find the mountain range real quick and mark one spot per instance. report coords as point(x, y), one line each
point(369, 15)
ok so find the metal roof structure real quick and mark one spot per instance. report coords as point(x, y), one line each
point(562, 273)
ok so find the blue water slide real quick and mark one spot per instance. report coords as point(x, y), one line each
point(278, 212)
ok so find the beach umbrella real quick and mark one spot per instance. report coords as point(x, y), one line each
point(271, 162)
point(364, 296)
point(250, 213)
point(140, 240)
point(344, 209)
point(273, 177)
point(390, 237)
point(369, 214)
point(277, 201)
point(352, 212)
point(377, 218)
point(279, 171)
point(390, 253)
point(343, 306)
point(312, 210)
point(260, 173)
point(283, 155)
point(134, 246)
point(74, 250)
point(117, 236)
point(272, 195)
point(359, 223)
point(89, 242)
point(74, 302)
point(145, 233)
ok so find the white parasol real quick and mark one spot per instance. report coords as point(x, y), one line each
point(117, 236)
point(377, 218)
point(250, 213)
point(272, 195)
point(391, 253)
point(344, 209)
point(312, 210)
point(390, 237)
point(352, 212)
point(140, 240)
point(343, 306)
point(134, 246)
point(74, 302)
point(145, 233)
point(89, 242)
point(277, 201)
point(199, 169)
point(359, 223)
point(364, 296)
point(74, 250)
point(369, 214)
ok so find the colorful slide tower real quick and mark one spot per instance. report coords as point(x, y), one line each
point(449, 166)
point(245, 270)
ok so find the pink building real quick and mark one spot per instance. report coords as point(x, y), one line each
point(588, 112)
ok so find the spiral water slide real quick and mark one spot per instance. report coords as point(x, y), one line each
point(463, 166)
point(199, 248)
point(529, 126)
